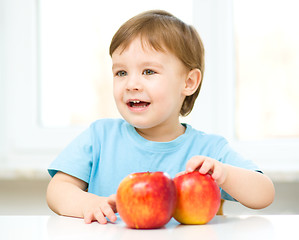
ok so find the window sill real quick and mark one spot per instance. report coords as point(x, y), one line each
point(283, 174)
point(8, 173)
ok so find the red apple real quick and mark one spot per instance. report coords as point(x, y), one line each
point(146, 200)
point(198, 198)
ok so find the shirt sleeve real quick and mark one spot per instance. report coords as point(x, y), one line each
point(76, 158)
point(229, 156)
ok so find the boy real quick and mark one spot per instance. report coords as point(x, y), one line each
point(158, 64)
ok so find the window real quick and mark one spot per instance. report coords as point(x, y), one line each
point(267, 102)
point(267, 58)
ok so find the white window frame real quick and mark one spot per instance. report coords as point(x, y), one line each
point(24, 142)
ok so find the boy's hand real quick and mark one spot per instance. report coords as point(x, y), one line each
point(207, 165)
point(97, 208)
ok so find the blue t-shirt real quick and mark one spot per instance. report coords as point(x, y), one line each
point(110, 149)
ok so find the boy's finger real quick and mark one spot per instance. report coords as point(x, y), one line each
point(112, 197)
point(109, 213)
point(112, 202)
point(194, 163)
point(99, 216)
point(88, 218)
point(180, 173)
point(206, 167)
point(216, 173)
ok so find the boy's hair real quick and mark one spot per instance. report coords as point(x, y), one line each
point(161, 30)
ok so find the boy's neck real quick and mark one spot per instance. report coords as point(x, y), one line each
point(162, 134)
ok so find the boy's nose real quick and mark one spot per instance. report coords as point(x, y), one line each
point(133, 84)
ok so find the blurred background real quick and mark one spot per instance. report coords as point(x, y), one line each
point(55, 79)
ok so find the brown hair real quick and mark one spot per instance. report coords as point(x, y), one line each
point(161, 29)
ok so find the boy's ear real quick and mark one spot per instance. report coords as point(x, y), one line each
point(192, 82)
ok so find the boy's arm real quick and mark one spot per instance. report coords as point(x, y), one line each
point(66, 196)
point(252, 189)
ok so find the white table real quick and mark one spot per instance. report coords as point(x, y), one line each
point(221, 227)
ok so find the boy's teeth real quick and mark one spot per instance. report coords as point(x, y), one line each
point(138, 103)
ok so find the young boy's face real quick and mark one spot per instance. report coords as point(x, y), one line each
point(148, 85)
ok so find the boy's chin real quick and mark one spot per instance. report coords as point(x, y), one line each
point(138, 125)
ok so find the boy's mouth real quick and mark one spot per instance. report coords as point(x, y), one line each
point(138, 104)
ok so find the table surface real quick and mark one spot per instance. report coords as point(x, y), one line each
point(221, 227)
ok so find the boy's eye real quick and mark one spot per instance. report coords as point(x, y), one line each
point(148, 72)
point(121, 73)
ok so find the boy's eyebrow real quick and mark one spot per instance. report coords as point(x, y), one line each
point(142, 64)
point(155, 64)
point(117, 65)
